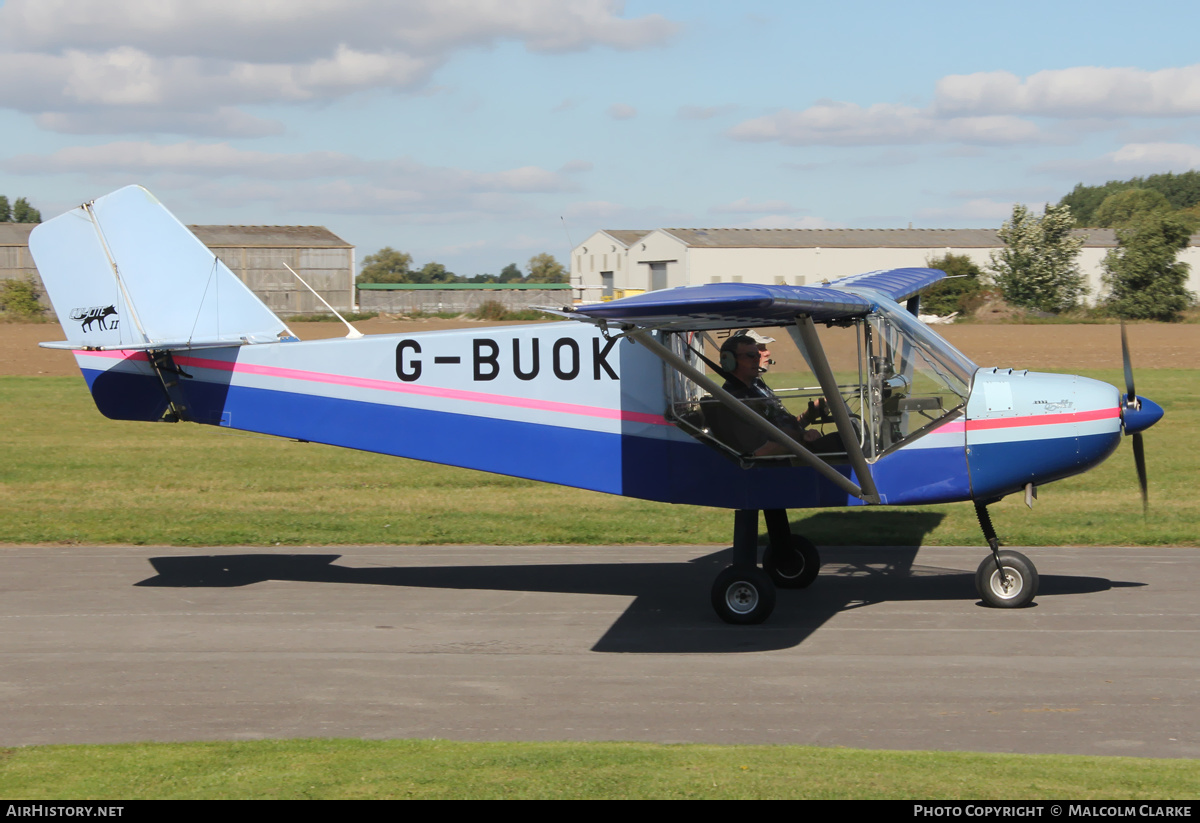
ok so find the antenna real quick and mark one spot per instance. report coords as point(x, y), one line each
point(571, 256)
point(353, 333)
point(570, 245)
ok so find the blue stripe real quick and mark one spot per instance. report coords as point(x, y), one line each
point(1005, 468)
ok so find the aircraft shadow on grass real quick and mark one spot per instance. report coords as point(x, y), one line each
point(670, 612)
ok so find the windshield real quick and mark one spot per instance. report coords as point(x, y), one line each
point(915, 377)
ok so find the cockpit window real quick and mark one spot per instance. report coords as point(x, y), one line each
point(897, 378)
point(915, 377)
point(788, 388)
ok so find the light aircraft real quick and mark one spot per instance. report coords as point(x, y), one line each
point(627, 401)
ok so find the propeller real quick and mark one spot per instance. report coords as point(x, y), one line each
point(1134, 404)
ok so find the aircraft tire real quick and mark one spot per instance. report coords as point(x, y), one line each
point(797, 568)
point(1022, 579)
point(743, 595)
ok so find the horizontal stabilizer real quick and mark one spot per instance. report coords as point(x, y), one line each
point(159, 345)
point(123, 273)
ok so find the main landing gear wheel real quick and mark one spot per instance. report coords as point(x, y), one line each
point(794, 568)
point(743, 595)
point(1011, 590)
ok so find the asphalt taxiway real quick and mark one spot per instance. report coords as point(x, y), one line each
point(890, 648)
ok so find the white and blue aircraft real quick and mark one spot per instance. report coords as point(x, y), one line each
point(625, 402)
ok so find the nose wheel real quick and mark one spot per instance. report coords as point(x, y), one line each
point(1007, 579)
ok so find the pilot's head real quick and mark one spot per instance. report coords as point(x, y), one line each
point(744, 354)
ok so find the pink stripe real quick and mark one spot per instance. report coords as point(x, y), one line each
point(957, 426)
point(953, 427)
point(1044, 419)
point(403, 388)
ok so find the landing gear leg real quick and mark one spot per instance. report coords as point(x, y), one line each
point(791, 561)
point(1007, 579)
point(743, 593)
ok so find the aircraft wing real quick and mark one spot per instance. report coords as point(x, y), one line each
point(725, 305)
point(898, 284)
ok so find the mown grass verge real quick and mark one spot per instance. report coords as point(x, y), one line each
point(429, 769)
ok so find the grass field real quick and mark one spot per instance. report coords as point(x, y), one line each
point(439, 769)
point(72, 476)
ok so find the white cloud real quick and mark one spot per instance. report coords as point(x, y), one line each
point(220, 122)
point(324, 181)
point(1132, 159)
point(990, 108)
point(202, 159)
point(1181, 156)
point(1081, 91)
point(833, 123)
point(79, 60)
point(621, 111)
point(301, 30)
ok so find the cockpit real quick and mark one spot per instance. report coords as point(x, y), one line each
point(897, 379)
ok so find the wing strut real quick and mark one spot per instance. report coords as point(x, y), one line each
point(837, 405)
point(752, 418)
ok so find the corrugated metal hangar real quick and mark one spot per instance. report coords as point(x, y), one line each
point(256, 254)
point(615, 263)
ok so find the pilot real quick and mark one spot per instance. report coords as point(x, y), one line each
point(744, 357)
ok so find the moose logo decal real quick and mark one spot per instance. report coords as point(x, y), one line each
point(96, 314)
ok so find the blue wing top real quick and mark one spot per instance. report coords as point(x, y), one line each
point(725, 305)
point(898, 284)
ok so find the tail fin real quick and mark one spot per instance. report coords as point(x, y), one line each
point(122, 273)
point(130, 285)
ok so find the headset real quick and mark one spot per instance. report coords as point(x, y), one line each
point(729, 352)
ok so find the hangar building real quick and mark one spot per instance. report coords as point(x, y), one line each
point(618, 263)
point(256, 254)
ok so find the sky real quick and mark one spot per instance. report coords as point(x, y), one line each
point(478, 133)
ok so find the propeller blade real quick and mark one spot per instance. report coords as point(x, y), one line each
point(1139, 457)
point(1130, 394)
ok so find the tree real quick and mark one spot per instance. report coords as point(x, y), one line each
point(1144, 278)
point(22, 212)
point(543, 268)
point(434, 273)
point(1036, 269)
point(963, 282)
point(1124, 206)
point(1182, 191)
point(511, 274)
point(5, 210)
point(386, 266)
point(19, 298)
